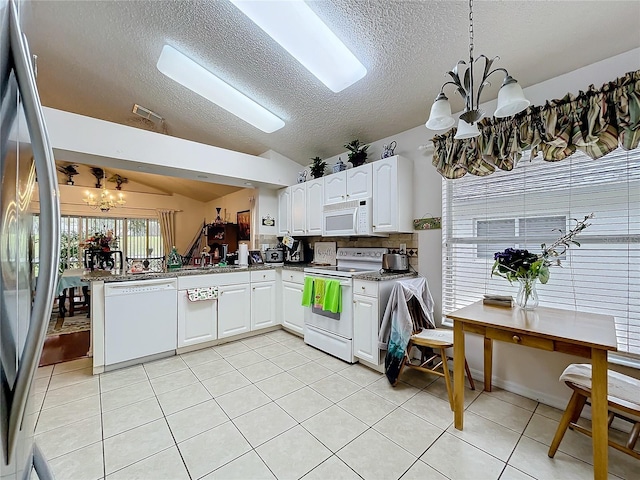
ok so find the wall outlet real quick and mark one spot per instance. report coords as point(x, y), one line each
point(403, 248)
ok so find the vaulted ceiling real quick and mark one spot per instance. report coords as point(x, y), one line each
point(98, 58)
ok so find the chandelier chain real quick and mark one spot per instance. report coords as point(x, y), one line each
point(470, 31)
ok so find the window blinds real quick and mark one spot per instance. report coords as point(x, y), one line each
point(525, 208)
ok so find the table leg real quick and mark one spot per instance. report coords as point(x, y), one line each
point(599, 413)
point(61, 308)
point(458, 373)
point(72, 308)
point(488, 363)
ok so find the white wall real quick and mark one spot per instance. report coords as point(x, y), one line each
point(530, 372)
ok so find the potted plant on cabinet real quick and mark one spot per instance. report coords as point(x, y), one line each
point(357, 153)
point(317, 167)
point(70, 171)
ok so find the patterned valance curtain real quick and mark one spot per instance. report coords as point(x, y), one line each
point(595, 122)
point(167, 228)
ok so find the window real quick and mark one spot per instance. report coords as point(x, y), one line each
point(137, 237)
point(527, 233)
point(525, 208)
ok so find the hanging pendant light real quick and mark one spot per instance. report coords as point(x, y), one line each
point(511, 99)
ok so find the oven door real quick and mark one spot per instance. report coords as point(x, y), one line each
point(340, 324)
point(341, 222)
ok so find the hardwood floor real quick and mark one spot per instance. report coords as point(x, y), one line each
point(62, 348)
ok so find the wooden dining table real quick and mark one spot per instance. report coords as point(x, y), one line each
point(586, 335)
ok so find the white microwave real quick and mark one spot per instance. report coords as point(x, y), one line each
point(350, 218)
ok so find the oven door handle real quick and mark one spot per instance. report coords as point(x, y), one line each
point(342, 283)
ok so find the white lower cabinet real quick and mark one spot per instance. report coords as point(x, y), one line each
point(365, 328)
point(292, 309)
point(369, 303)
point(234, 310)
point(197, 321)
point(263, 305)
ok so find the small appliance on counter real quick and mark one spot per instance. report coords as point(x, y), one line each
point(395, 262)
point(299, 252)
point(274, 255)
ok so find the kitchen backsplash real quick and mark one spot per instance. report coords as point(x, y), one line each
point(392, 242)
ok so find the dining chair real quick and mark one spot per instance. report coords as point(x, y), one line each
point(149, 264)
point(623, 399)
point(432, 343)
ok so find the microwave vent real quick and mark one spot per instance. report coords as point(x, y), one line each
point(330, 207)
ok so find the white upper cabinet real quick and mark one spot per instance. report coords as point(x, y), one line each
point(349, 185)
point(359, 182)
point(393, 195)
point(314, 203)
point(335, 188)
point(298, 209)
point(284, 212)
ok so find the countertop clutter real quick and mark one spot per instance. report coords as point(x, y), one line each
point(107, 277)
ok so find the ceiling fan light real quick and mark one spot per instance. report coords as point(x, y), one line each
point(198, 79)
point(511, 100)
point(440, 117)
point(466, 130)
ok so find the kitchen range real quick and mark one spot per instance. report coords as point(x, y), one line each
point(333, 332)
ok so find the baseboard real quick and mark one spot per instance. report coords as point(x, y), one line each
point(513, 387)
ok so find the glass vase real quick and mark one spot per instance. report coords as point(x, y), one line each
point(527, 297)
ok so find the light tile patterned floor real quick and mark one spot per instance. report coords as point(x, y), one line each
point(272, 407)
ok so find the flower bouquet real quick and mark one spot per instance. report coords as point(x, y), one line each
point(101, 241)
point(527, 268)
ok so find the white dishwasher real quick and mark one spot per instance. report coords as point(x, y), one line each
point(141, 319)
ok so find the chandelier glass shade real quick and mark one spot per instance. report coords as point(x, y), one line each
point(105, 201)
point(511, 99)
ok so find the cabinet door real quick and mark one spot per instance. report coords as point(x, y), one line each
point(315, 197)
point(197, 321)
point(292, 309)
point(359, 182)
point(365, 328)
point(335, 188)
point(263, 305)
point(385, 195)
point(284, 211)
point(234, 310)
point(299, 209)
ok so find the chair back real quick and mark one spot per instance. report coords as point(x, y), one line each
point(103, 260)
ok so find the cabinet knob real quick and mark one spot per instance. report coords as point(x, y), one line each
point(517, 339)
point(363, 288)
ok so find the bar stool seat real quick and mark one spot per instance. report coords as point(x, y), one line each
point(432, 344)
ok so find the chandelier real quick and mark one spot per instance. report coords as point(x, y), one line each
point(105, 201)
point(511, 99)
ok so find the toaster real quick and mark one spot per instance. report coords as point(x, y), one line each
point(274, 255)
point(395, 262)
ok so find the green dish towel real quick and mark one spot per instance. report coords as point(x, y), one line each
point(319, 292)
point(307, 292)
point(332, 296)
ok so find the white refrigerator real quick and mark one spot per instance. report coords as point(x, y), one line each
point(28, 258)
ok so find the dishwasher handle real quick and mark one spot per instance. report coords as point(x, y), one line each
point(146, 286)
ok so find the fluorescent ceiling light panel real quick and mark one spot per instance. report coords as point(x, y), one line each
point(195, 77)
point(301, 33)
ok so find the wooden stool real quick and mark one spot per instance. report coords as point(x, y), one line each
point(623, 399)
point(437, 340)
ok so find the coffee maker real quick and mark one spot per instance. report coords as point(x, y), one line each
point(297, 253)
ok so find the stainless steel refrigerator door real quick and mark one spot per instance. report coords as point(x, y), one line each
point(24, 312)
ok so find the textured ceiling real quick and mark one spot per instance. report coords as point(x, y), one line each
point(98, 59)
